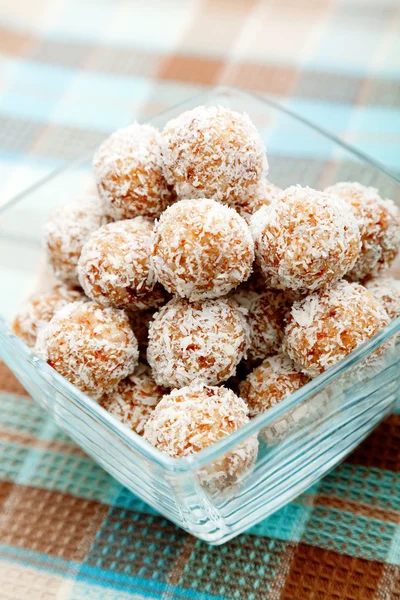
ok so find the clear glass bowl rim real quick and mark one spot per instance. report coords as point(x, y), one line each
point(126, 435)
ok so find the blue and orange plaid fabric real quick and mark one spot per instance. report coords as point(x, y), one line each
point(71, 72)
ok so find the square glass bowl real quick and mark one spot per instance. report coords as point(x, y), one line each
point(300, 439)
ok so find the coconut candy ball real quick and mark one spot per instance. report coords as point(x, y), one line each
point(379, 223)
point(272, 381)
point(134, 399)
point(68, 229)
point(213, 152)
point(194, 417)
point(264, 194)
point(305, 240)
point(140, 322)
point(202, 249)
point(128, 172)
point(39, 309)
point(91, 346)
point(199, 341)
point(387, 291)
point(115, 268)
point(328, 325)
point(266, 313)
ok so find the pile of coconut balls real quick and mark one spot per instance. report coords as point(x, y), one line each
point(187, 263)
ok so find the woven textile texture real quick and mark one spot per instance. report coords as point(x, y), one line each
point(72, 71)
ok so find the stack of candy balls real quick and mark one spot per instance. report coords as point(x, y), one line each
point(185, 261)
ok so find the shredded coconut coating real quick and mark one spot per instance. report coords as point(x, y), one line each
point(379, 222)
point(257, 283)
point(194, 417)
point(199, 341)
point(115, 267)
point(202, 249)
point(387, 291)
point(140, 322)
point(213, 152)
point(270, 383)
point(91, 346)
point(266, 313)
point(128, 171)
point(328, 325)
point(134, 399)
point(39, 309)
point(305, 240)
point(264, 194)
point(68, 229)
point(275, 379)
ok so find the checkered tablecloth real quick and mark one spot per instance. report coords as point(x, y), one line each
point(71, 71)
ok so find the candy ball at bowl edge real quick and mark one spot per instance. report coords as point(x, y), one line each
point(276, 378)
point(328, 325)
point(38, 310)
point(270, 383)
point(93, 347)
point(387, 291)
point(379, 223)
point(191, 419)
point(66, 232)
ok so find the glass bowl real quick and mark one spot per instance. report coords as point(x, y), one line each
point(300, 439)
